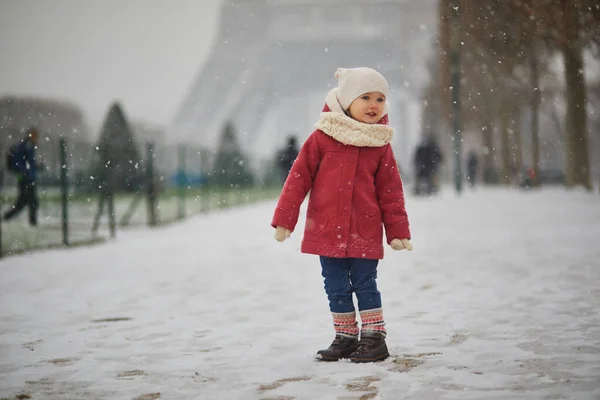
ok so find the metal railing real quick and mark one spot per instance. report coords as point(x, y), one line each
point(81, 201)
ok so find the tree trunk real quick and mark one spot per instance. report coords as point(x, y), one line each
point(535, 119)
point(490, 175)
point(505, 144)
point(518, 147)
point(577, 158)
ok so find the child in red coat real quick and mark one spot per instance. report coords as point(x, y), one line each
point(349, 168)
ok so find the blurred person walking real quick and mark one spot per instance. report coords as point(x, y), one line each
point(427, 161)
point(287, 156)
point(21, 161)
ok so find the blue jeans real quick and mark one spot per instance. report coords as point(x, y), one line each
point(344, 276)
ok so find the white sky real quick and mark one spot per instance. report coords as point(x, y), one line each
point(144, 53)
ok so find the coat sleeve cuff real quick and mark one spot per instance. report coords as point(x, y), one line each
point(284, 218)
point(398, 231)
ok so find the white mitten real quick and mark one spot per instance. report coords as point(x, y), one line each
point(281, 233)
point(401, 244)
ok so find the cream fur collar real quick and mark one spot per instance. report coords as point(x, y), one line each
point(349, 131)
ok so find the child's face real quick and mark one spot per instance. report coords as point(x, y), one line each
point(368, 108)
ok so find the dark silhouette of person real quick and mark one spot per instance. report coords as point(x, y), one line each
point(23, 164)
point(287, 156)
point(472, 168)
point(426, 162)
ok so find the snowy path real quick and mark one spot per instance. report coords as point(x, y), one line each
point(499, 300)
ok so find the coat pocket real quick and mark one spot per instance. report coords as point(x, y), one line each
point(316, 222)
point(369, 225)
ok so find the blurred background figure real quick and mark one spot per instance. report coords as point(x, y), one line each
point(20, 160)
point(530, 178)
point(427, 161)
point(472, 168)
point(287, 156)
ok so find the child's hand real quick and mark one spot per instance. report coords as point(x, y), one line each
point(281, 233)
point(401, 244)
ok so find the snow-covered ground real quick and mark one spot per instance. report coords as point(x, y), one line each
point(499, 300)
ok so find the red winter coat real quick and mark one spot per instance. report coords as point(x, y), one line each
point(354, 192)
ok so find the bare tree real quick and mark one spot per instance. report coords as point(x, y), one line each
point(506, 48)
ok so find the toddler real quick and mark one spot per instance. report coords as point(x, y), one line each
point(349, 168)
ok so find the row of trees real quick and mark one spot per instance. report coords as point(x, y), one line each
point(120, 160)
point(506, 49)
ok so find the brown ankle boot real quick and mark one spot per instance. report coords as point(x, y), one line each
point(341, 347)
point(371, 347)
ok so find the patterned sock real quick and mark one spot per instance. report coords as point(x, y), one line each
point(345, 324)
point(372, 321)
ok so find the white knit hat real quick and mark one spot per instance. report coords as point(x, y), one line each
point(353, 82)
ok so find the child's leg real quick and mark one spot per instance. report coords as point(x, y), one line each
point(336, 272)
point(363, 275)
point(372, 346)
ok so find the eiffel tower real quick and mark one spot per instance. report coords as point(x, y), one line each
point(271, 53)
